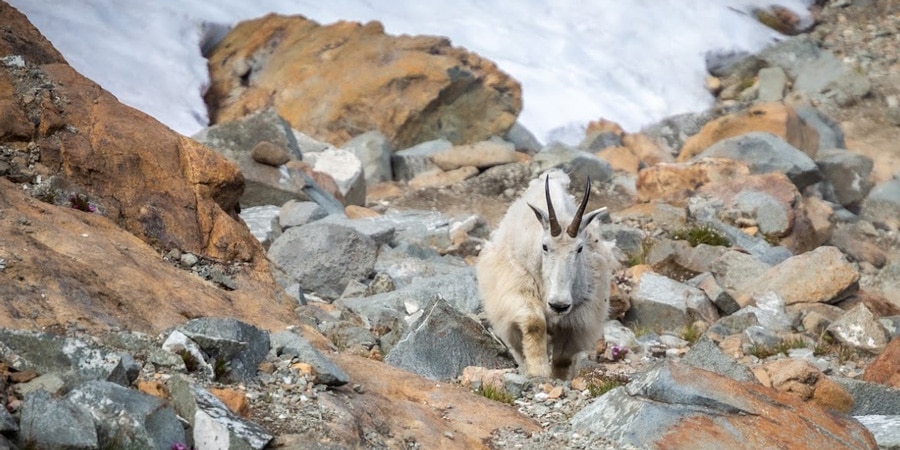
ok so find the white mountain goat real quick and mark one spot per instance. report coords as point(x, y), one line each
point(545, 291)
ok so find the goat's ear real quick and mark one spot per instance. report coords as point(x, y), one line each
point(587, 218)
point(545, 222)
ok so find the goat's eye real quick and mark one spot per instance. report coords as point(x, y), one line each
point(580, 248)
point(544, 247)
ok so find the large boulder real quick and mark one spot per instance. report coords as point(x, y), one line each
point(158, 185)
point(149, 190)
point(678, 406)
point(769, 203)
point(776, 118)
point(63, 265)
point(324, 257)
point(337, 81)
point(765, 153)
point(676, 182)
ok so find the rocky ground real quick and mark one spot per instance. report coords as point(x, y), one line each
point(320, 384)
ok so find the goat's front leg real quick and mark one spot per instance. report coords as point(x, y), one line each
point(534, 346)
point(562, 368)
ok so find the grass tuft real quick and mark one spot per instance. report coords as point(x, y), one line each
point(691, 333)
point(701, 235)
point(601, 385)
point(497, 395)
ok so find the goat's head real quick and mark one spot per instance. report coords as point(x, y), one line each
point(562, 253)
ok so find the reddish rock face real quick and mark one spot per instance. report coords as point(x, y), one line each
point(776, 118)
point(799, 236)
point(677, 406)
point(410, 405)
point(65, 266)
point(886, 367)
point(675, 183)
point(165, 188)
point(337, 81)
point(150, 190)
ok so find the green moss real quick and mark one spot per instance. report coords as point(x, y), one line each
point(701, 235)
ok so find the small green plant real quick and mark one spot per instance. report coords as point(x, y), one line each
point(640, 257)
point(746, 83)
point(787, 344)
point(221, 368)
point(701, 235)
point(600, 386)
point(497, 395)
point(48, 195)
point(762, 351)
point(190, 362)
point(844, 353)
point(824, 345)
point(691, 333)
point(783, 346)
point(640, 330)
point(771, 239)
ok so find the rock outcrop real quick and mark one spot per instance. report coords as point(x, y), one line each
point(337, 81)
point(111, 191)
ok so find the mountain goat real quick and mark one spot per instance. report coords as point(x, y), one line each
point(545, 289)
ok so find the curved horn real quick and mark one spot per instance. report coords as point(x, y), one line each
point(554, 224)
point(572, 230)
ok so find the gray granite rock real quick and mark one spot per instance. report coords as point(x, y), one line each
point(407, 163)
point(882, 205)
point(213, 425)
point(830, 133)
point(287, 343)
point(772, 84)
point(660, 303)
point(341, 254)
point(860, 329)
point(234, 348)
point(259, 221)
point(443, 342)
point(705, 354)
point(56, 423)
point(871, 398)
point(765, 153)
point(74, 360)
point(295, 214)
point(523, 139)
point(374, 151)
point(128, 418)
point(577, 163)
point(847, 175)
point(886, 430)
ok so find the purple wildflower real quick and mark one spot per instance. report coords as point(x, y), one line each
point(618, 352)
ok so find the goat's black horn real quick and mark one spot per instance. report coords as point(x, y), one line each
point(554, 224)
point(576, 221)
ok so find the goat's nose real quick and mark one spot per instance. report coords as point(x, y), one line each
point(560, 307)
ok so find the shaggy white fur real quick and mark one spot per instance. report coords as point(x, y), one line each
point(546, 296)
